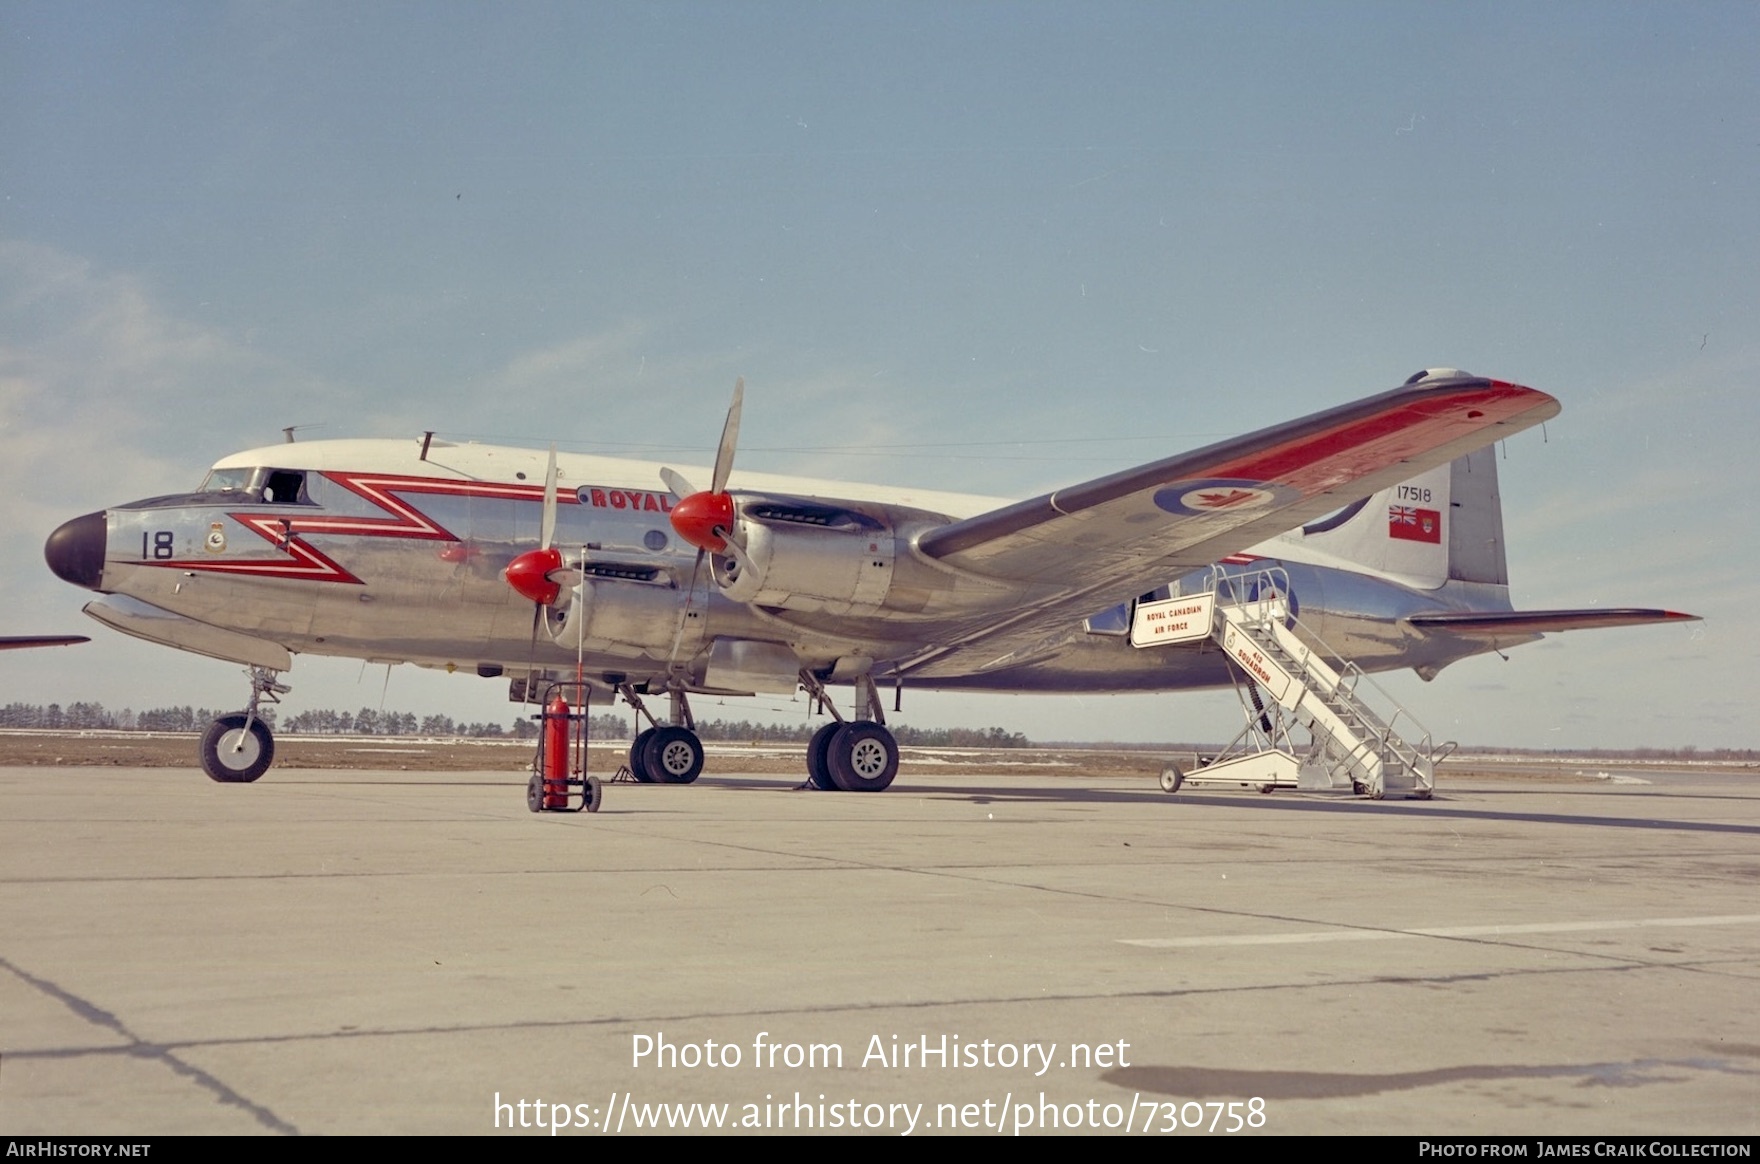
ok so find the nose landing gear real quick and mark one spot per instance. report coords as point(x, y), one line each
point(239, 747)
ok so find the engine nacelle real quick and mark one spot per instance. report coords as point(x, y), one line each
point(836, 561)
point(623, 617)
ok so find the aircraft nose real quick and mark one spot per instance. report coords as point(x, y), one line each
point(75, 551)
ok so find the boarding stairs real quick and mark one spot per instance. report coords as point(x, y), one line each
point(1291, 688)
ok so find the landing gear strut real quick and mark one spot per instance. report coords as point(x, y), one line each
point(851, 756)
point(237, 748)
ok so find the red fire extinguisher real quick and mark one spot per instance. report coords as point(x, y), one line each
point(556, 753)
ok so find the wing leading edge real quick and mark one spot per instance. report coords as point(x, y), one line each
point(1189, 510)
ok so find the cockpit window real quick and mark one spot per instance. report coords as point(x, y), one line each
point(227, 481)
point(273, 486)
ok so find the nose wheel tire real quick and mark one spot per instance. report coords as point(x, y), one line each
point(233, 753)
point(674, 755)
point(863, 757)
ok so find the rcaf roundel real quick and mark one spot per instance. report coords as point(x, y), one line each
point(1219, 496)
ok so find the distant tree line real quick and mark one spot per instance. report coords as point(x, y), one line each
point(800, 733)
point(370, 722)
point(614, 726)
point(89, 716)
point(1690, 752)
point(367, 722)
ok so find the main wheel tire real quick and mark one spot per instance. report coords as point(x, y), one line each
point(1171, 777)
point(638, 756)
point(231, 754)
point(819, 757)
point(674, 756)
point(863, 757)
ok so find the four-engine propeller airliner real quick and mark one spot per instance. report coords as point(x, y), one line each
point(1381, 519)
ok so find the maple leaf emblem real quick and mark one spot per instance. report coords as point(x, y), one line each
point(1224, 500)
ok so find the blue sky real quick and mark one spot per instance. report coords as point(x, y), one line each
point(984, 247)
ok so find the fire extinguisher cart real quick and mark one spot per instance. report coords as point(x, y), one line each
point(559, 780)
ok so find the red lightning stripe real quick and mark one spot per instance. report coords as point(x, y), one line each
point(406, 521)
point(304, 561)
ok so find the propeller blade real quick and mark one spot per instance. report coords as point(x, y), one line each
point(684, 612)
point(705, 518)
point(547, 530)
point(532, 650)
point(729, 438)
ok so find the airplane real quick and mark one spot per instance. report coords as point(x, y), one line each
point(1379, 520)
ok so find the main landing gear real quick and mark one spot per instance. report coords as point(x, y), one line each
point(843, 756)
point(665, 753)
point(238, 747)
point(851, 756)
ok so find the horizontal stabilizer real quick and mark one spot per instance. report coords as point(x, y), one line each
point(16, 642)
point(1488, 624)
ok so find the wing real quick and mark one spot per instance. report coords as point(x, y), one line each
point(1193, 509)
point(1090, 545)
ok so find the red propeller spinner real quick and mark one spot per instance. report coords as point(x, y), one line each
point(702, 518)
point(529, 574)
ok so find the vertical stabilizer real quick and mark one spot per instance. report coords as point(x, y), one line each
point(1443, 525)
point(1475, 533)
